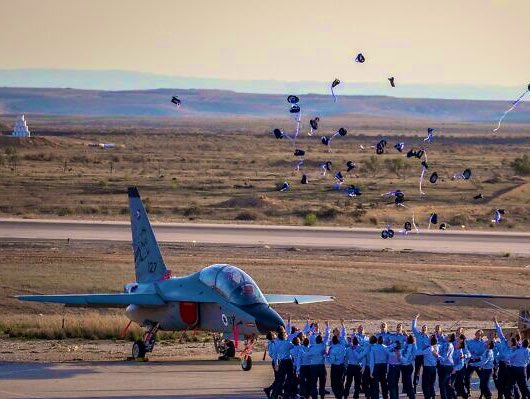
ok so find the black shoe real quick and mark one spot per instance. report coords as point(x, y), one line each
point(326, 392)
point(267, 392)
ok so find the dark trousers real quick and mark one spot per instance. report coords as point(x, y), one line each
point(469, 373)
point(366, 383)
point(459, 379)
point(511, 385)
point(418, 364)
point(519, 377)
point(353, 374)
point(406, 379)
point(379, 377)
point(305, 381)
point(444, 382)
point(337, 380)
point(428, 379)
point(485, 375)
point(275, 372)
point(318, 376)
point(393, 381)
point(502, 381)
point(283, 378)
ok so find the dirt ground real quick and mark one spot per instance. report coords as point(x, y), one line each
point(230, 172)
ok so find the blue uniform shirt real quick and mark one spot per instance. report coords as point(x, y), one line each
point(356, 355)
point(317, 352)
point(296, 355)
point(476, 348)
point(429, 359)
point(337, 354)
point(520, 357)
point(408, 353)
point(386, 337)
point(423, 341)
point(271, 348)
point(459, 358)
point(305, 356)
point(486, 360)
point(446, 354)
point(283, 349)
point(378, 355)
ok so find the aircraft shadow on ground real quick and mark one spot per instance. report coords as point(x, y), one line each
point(239, 395)
point(38, 371)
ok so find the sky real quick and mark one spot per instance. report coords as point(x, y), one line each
point(417, 41)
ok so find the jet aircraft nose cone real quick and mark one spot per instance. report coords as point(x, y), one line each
point(267, 319)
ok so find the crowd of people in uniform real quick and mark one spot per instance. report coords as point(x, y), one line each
point(376, 363)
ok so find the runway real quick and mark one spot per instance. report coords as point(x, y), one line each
point(435, 241)
point(120, 379)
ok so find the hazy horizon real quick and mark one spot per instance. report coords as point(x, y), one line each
point(117, 80)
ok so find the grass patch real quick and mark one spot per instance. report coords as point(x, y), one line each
point(88, 325)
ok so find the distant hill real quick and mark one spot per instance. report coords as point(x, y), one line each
point(211, 103)
point(131, 80)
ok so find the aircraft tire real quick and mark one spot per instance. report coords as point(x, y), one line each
point(138, 350)
point(246, 364)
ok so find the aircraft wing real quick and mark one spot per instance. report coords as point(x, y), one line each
point(98, 300)
point(475, 300)
point(274, 299)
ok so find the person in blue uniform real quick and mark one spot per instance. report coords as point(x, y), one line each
point(356, 361)
point(430, 360)
point(502, 352)
point(318, 368)
point(394, 369)
point(476, 347)
point(445, 367)
point(485, 365)
point(304, 375)
point(460, 357)
point(422, 342)
point(362, 338)
point(285, 365)
point(384, 333)
point(378, 367)
point(408, 354)
point(337, 358)
point(519, 360)
point(399, 335)
point(271, 349)
point(296, 356)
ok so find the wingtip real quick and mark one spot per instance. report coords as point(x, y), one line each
point(133, 192)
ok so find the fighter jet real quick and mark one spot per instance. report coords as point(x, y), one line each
point(220, 298)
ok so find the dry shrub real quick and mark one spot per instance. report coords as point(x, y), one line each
point(88, 325)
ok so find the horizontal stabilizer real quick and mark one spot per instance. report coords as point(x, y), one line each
point(474, 300)
point(98, 300)
point(274, 299)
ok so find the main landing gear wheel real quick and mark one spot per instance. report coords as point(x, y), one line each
point(146, 344)
point(138, 350)
point(246, 363)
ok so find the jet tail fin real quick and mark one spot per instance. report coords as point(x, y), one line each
point(148, 262)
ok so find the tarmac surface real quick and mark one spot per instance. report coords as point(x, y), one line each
point(435, 241)
point(196, 379)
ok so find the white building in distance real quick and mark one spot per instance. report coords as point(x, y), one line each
point(21, 128)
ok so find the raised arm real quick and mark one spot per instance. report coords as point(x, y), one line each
point(415, 325)
point(498, 329)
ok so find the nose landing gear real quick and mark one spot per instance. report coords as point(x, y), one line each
point(245, 354)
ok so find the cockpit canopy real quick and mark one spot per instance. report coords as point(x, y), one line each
point(233, 283)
